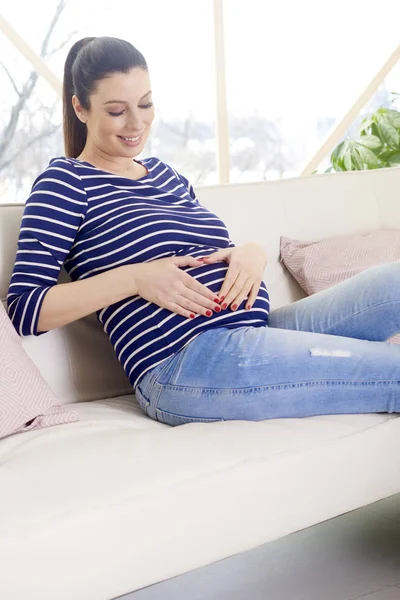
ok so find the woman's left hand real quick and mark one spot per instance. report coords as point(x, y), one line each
point(244, 275)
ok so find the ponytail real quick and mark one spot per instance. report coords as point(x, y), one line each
point(90, 60)
point(74, 129)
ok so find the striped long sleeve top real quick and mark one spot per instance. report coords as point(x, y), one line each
point(90, 221)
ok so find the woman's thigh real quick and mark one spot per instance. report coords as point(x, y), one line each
point(257, 373)
point(366, 306)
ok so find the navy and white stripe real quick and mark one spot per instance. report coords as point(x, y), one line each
point(92, 221)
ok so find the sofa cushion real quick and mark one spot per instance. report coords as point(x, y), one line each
point(26, 401)
point(317, 265)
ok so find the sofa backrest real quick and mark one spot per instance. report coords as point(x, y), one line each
point(78, 360)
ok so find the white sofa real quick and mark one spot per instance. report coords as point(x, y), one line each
point(117, 502)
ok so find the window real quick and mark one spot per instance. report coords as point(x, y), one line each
point(293, 70)
point(171, 35)
point(30, 125)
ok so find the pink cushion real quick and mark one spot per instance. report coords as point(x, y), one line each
point(319, 265)
point(26, 401)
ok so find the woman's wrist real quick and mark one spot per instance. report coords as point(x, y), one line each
point(126, 280)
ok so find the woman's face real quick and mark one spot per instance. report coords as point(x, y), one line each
point(121, 113)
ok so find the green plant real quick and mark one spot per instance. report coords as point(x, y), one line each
point(378, 145)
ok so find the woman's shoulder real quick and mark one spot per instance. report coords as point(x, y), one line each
point(59, 167)
point(60, 173)
point(65, 162)
point(155, 164)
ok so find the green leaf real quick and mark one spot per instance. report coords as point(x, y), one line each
point(393, 117)
point(388, 133)
point(371, 141)
point(338, 166)
point(337, 156)
point(337, 151)
point(347, 159)
point(375, 131)
point(358, 164)
point(367, 157)
point(365, 124)
point(393, 160)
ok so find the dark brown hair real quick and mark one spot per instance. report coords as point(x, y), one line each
point(90, 60)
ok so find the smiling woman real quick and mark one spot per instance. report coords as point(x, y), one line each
point(125, 229)
point(186, 310)
point(108, 110)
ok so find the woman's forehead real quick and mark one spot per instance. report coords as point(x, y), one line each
point(123, 86)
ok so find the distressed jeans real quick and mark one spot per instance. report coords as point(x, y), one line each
point(325, 354)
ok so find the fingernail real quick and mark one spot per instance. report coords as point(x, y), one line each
point(208, 313)
point(248, 307)
point(222, 298)
point(192, 316)
point(217, 308)
point(217, 300)
point(234, 307)
point(224, 306)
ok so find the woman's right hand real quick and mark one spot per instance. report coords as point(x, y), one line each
point(163, 282)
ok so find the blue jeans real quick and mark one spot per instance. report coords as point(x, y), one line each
point(325, 354)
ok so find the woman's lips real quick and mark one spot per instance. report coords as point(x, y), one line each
point(130, 140)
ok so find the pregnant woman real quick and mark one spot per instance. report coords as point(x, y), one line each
point(185, 309)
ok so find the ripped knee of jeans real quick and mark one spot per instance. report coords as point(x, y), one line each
point(325, 352)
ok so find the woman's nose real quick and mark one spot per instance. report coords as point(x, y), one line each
point(135, 122)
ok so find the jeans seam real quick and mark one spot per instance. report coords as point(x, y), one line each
point(280, 386)
point(187, 417)
point(358, 313)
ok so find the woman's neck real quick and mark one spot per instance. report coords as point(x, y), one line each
point(127, 167)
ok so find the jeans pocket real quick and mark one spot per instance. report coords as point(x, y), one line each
point(166, 375)
point(143, 402)
point(145, 390)
point(174, 419)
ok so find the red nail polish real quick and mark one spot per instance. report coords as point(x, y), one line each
point(248, 307)
point(234, 307)
point(224, 306)
point(217, 308)
point(192, 315)
point(208, 313)
point(222, 298)
point(217, 300)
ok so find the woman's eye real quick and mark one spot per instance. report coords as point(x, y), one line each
point(118, 114)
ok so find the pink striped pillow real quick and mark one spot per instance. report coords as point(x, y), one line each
point(26, 401)
point(319, 265)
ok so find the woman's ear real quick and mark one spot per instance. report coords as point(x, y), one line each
point(79, 110)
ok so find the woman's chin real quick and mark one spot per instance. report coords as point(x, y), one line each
point(130, 153)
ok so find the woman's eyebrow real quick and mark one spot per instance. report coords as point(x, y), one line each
point(124, 101)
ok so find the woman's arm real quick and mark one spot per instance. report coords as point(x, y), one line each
point(67, 302)
point(161, 281)
point(52, 216)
